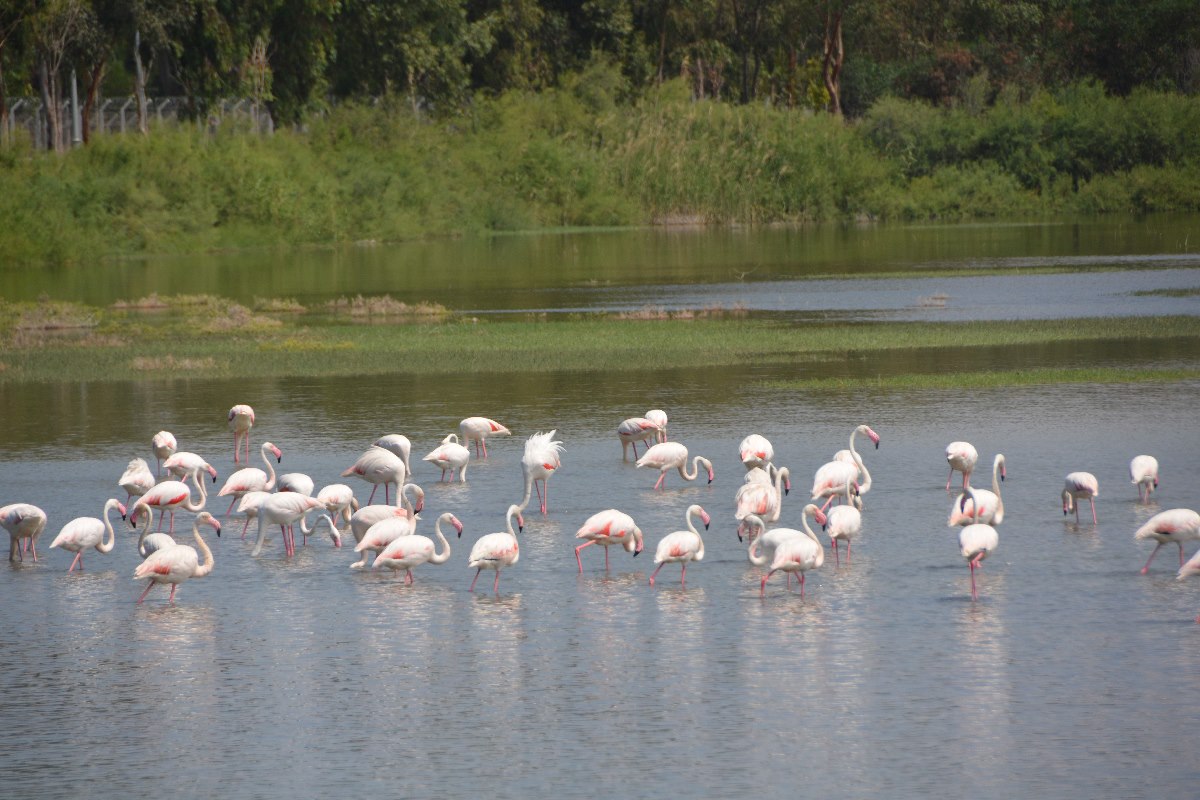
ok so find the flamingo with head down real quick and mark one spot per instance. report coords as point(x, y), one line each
point(339, 501)
point(137, 479)
point(477, 429)
point(976, 541)
point(1143, 472)
point(184, 463)
point(164, 446)
point(241, 420)
point(407, 552)
point(22, 521)
point(760, 499)
point(285, 509)
point(179, 562)
point(606, 528)
point(398, 444)
point(1176, 525)
point(659, 418)
point(634, 430)
point(991, 505)
point(666, 456)
point(450, 455)
point(378, 465)
point(542, 458)
point(1079, 486)
point(961, 456)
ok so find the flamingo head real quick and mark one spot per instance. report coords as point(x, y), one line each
point(704, 514)
point(637, 541)
point(121, 508)
point(211, 471)
point(870, 434)
point(520, 522)
point(458, 526)
point(820, 517)
point(205, 518)
point(276, 452)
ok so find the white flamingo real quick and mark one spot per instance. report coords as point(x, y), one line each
point(137, 479)
point(976, 542)
point(241, 420)
point(844, 523)
point(399, 444)
point(666, 456)
point(991, 505)
point(961, 456)
point(1176, 525)
point(148, 542)
point(83, 532)
point(285, 509)
point(764, 500)
point(477, 429)
point(249, 505)
point(450, 455)
point(756, 451)
point(411, 551)
point(794, 551)
point(1143, 472)
point(22, 521)
point(771, 539)
point(368, 516)
point(634, 430)
point(1079, 486)
point(296, 482)
point(542, 458)
point(497, 550)
point(177, 563)
point(252, 479)
point(379, 465)
point(164, 446)
point(659, 418)
point(1192, 567)
point(339, 501)
point(184, 463)
point(168, 496)
point(681, 547)
point(606, 528)
point(830, 479)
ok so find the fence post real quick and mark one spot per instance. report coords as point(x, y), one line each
point(76, 120)
point(102, 117)
point(124, 106)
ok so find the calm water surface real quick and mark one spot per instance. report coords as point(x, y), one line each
point(1072, 676)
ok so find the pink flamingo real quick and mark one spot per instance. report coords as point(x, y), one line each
point(681, 547)
point(285, 509)
point(831, 477)
point(367, 517)
point(184, 463)
point(252, 479)
point(152, 542)
point(249, 505)
point(497, 550)
point(1080, 485)
point(1192, 567)
point(542, 458)
point(177, 563)
point(411, 551)
point(399, 444)
point(976, 542)
point(607, 528)
point(991, 505)
point(844, 523)
point(450, 455)
point(659, 418)
point(137, 479)
point(241, 420)
point(167, 497)
point(1143, 471)
point(634, 430)
point(83, 532)
point(378, 465)
point(339, 501)
point(164, 446)
point(791, 552)
point(22, 521)
point(665, 456)
point(477, 429)
point(756, 451)
point(296, 482)
point(1177, 525)
point(770, 540)
point(760, 499)
point(961, 456)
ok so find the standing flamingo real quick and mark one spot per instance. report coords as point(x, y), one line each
point(659, 418)
point(367, 517)
point(22, 521)
point(991, 505)
point(756, 451)
point(497, 550)
point(763, 500)
point(252, 479)
point(634, 430)
point(167, 497)
point(961, 456)
point(1177, 525)
point(450, 455)
point(378, 465)
point(1192, 567)
point(164, 446)
point(184, 463)
point(285, 509)
point(789, 551)
point(477, 429)
point(137, 479)
point(1143, 471)
point(241, 420)
point(607, 528)
point(681, 546)
point(296, 482)
point(830, 478)
point(542, 458)
point(976, 541)
point(411, 551)
point(177, 563)
point(398, 444)
point(152, 542)
point(844, 523)
point(83, 532)
point(1080, 485)
point(339, 501)
point(665, 456)
point(249, 505)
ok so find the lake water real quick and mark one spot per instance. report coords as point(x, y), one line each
point(1071, 676)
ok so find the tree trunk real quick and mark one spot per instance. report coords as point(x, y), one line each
point(47, 87)
point(831, 67)
point(662, 41)
point(3, 102)
point(139, 84)
point(89, 102)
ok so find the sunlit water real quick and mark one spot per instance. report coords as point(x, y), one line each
point(1071, 676)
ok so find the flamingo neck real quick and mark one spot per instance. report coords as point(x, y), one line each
point(440, 558)
point(188, 504)
point(528, 492)
point(996, 465)
point(109, 539)
point(206, 564)
point(270, 470)
point(804, 524)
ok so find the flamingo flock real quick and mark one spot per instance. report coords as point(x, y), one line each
point(386, 537)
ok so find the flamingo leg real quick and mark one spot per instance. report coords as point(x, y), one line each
point(801, 585)
point(408, 578)
point(372, 497)
point(229, 510)
point(654, 574)
point(579, 561)
point(762, 587)
point(33, 549)
point(683, 575)
point(78, 560)
point(485, 455)
point(541, 502)
point(174, 586)
point(1154, 552)
point(836, 554)
point(1180, 553)
point(245, 526)
point(661, 479)
point(606, 557)
point(149, 586)
point(171, 527)
point(1092, 501)
point(386, 496)
point(475, 579)
point(948, 477)
point(496, 583)
point(847, 552)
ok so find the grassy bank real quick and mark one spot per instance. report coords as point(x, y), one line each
point(212, 338)
point(574, 158)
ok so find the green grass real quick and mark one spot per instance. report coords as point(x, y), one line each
point(1167, 293)
point(989, 380)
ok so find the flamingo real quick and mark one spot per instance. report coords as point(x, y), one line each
point(543, 456)
point(961, 456)
point(152, 542)
point(1143, 471)
point(1077, 486)
point(844, 523)
point(249, 505)
point(607, 528)
point(241, 420)
point(252, 479)
point(296, 482)
point(339, 500)
point(164, 446)
point(177, 563)
point(368, 516)
point(450, 455)
point(383, 533)
point(83, 532)
point(137, 479)
point(497, 550)
point(659, 418)
point(167, 497)
point(634, 430)
point(413, 551)
point(763, 500)
point(398, 444)
point(831, 477)
point(22, 521)
point(773, 538)
point(756, 451)
point(789, 551)
point(285, 509)
point(477, 429)
point(681, 546)
point(184, 463)
point(1192, 567)
point(991, 505)
point(379, 465)
point(976, 541)
point(673, 455)
point(1177, 525)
